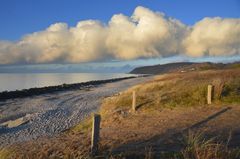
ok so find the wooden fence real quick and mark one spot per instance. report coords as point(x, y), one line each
point(97, 119)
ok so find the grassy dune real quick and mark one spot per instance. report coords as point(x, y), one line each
point(182, 90)
point(166, 106)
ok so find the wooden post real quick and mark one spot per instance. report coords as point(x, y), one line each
point(134, 101)
point(95, 133)
point(209, 94)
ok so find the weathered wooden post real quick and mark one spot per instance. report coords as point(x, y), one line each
point(209, 94)
point(95, 133)
point(134, 101)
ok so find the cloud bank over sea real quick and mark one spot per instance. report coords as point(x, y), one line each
point(144, 34)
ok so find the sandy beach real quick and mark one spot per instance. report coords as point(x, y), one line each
point(23, 119)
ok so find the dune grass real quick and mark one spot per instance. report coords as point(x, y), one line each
point(184, 90)
point(165, 91)
point(181, 90)
point(195, 146)
point(198, 147)
point(84, 126)
point(6, 153)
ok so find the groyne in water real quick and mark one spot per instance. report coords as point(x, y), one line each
point(50, 89)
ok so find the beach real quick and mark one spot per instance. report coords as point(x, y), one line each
point(48, 114)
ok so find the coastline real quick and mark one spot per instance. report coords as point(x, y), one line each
point(48, 114)
point(63, 87)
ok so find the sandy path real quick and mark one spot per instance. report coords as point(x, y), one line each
point(50, 114)
point(162, 130)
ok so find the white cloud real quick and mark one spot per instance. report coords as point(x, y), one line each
point(214, 37)
point(145, 34)
point(87, 42)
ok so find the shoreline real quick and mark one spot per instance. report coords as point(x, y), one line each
point(24, 119)
point(63, 87)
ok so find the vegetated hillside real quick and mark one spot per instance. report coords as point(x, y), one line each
point(172, 120)
point(182, 67)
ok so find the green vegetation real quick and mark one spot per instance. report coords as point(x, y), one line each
point(84, 126)
point(182, 90)
point(208, 67)
point(235, 65)
point(231, 91)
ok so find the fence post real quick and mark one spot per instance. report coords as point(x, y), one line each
point(95, 133)
point(209, 94)
point(134, 101)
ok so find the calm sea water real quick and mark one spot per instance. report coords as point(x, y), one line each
point(11, 82)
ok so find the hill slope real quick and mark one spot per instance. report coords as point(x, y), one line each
point(182, 67)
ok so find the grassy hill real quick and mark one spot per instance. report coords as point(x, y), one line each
point(183, 67)
point(172, 120)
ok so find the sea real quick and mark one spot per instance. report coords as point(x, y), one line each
point(19, 81)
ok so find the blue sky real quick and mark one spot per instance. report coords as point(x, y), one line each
point(22, 17)
point(19, 17)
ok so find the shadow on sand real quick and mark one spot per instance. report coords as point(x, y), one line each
point(170, 141)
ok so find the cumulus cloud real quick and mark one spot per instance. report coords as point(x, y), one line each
point(145, 34)
point(214, 37)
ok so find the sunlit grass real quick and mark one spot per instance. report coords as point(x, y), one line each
point(181, 90)
point(7, 153)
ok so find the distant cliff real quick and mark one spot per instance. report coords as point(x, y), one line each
point(182, 67)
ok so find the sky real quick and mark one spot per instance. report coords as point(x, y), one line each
point(18, 18)
point(175, 29)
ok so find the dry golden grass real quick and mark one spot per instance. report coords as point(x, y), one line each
point(181, 90)
point(197, 147)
